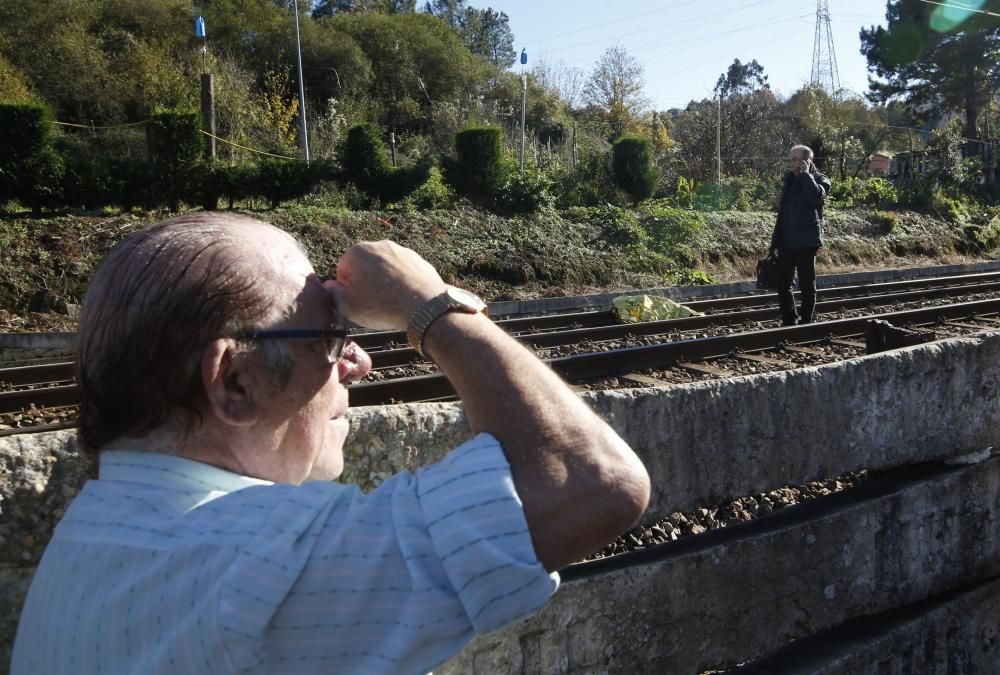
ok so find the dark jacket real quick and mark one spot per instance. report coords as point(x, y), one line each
point(800, 212)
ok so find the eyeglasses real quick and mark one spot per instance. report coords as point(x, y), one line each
point(334, 339)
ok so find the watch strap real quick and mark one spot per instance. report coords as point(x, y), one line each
point(423, 318)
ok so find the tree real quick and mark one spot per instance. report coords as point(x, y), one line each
point(485, 32)
point(326, 8)
point(936, 58)
point(615, 87)
point(559, 77)
point(741, 79)
point(633, 168)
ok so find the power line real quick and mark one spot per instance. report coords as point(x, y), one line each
point(671, 24)
point(602, 24)
point(965, 8)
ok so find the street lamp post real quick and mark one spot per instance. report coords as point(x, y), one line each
point(302, 89)
point(524, 95)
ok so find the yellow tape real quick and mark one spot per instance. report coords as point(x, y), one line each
point(90, 126)
point(243, 147)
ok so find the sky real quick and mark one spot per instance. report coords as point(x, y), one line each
point(684, 45)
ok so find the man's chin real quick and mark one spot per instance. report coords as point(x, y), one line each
point(330, 463)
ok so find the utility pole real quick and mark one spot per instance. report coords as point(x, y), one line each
point(909, 133)
point(574, 143)
point(302, 88)
point(524, 96)
point(207, 92)
point(718, 141)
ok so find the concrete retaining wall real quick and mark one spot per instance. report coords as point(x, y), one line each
point(763, 584)
point(703, 443)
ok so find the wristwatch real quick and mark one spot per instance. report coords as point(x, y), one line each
point(452, 300)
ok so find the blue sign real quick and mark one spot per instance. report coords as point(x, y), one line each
point(199, 27)
point(524, 57)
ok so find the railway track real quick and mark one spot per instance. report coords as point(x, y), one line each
point(51, 385)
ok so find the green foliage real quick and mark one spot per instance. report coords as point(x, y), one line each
point(945, 146)
point(950, 208)
point(280, 180)
point(688, 277)
point(620, 228)
point(478, 169)
point(684, 195)
point(589, 183)
point(525, 192)
point(175, 146)
point(632, 168)
point(984, 237)
point(672, 231)
point(363, 156)
point(31, 170)
point(851, 191)
point(435, 193)
point(886, 220)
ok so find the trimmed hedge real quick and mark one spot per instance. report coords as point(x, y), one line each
point(363, 157)
point(31, 171)
point(632, 167)
point(478, 169)
point(175, 146)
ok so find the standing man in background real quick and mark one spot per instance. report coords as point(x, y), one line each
point(798, 234)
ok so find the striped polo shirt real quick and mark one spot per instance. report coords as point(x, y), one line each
point(166, 565)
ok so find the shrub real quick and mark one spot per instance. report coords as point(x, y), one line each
point(984, 238)
point(684, 195)
point(671, 232)
point(363, 157)
point(478, 168)
point(435, 193)
point(279, 180)
point(40, 180)
point(175, 147)
point(886, 220)
point(633, 168)
point(589, 183)
point(30, 169)
point(949, 208)
point(852, 191)
point(620, 228)
point(525, 191)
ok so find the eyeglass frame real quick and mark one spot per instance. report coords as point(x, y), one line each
point(333, 354)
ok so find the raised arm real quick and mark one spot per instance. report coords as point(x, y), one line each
point(815, 187)
point(581, 485)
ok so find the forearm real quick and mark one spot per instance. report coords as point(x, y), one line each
point(581, 485)
point(813, 191)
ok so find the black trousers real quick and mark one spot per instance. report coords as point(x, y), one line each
point(802, 260)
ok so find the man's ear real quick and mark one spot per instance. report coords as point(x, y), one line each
point(228, 384)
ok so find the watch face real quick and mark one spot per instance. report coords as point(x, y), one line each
point(465, 300)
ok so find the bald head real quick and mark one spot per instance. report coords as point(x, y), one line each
point(155, 302)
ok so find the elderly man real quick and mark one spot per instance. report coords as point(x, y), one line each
point(213, 366)
point(798, 234)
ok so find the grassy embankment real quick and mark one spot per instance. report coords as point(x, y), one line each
point(47, 262)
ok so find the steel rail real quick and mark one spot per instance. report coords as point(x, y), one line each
point(597, 364)
point(621, 361)
point(62, 394)
point(590, 319)
point(404, 355)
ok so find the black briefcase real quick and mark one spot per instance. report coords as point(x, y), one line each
point(767, 274)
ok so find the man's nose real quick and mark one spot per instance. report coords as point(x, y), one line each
point(354, 364)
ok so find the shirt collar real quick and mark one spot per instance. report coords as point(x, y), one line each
point(172, 472)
